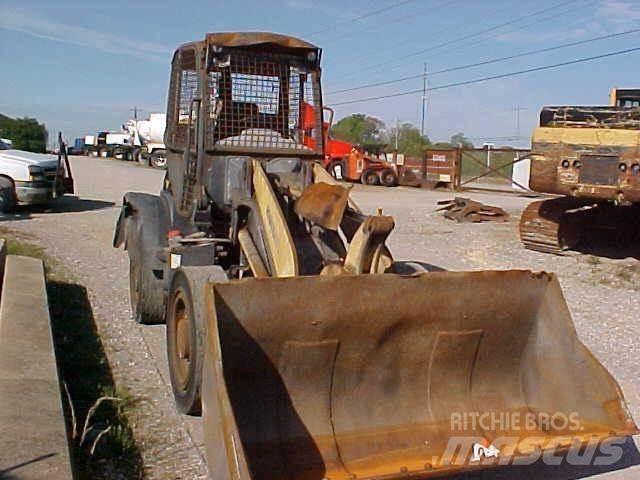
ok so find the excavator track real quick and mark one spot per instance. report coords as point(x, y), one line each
point(545, 226)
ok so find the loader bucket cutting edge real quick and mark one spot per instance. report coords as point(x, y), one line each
point(372, 376)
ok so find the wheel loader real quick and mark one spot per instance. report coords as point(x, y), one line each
point(309, 351)
point(589, 156)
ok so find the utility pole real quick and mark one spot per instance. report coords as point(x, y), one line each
point(424, 98)
point(135, 113)
point(516, 110)
point(397, 132)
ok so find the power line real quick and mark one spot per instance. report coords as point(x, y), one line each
point(519, 28)
point(433, 35)
point(412, 16)
point(547, 18)
point(486, 62)
point(361, 17)
point(493, 77)
point(471, 35)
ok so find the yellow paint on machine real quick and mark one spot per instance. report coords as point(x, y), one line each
point(613, 137)
point(276, 231)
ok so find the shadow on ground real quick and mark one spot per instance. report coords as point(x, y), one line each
point(7, 475)
point(87, 377)
point(615, 243)
point(65, 204)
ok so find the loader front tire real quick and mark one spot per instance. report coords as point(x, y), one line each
point(186, 334)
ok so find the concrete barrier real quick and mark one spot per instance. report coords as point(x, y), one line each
point(33, 437)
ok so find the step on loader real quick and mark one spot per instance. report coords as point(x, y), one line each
point(309, 351)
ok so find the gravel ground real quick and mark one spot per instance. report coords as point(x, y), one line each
point(602, 294)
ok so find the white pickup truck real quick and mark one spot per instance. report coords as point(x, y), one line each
point(29, 178)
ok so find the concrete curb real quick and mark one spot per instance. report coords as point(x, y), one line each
point(33, 437)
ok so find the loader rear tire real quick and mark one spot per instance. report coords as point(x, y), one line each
point(144, 307)
point(186, 334)
point(145, 286)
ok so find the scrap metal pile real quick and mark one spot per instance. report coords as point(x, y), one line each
point(466, 210)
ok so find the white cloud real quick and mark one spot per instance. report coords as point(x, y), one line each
point(619, 12)
point(19, 21)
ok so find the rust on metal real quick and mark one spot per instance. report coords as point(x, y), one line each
point(438, 167)
point(244, 39)
point(591, 156)
point(466, 210)
point(297, 386)
point(323, 204)
point(367, 252)
point(544, 226)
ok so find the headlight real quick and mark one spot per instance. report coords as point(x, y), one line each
point(35, 170)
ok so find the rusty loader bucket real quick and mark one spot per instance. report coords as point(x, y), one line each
point(378, 376)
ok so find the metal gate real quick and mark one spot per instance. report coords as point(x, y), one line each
point(493, 169)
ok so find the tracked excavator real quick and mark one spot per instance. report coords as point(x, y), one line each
point(309, 350)
point(589, 155)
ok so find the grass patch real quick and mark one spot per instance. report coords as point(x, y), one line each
point(593, 260)
point(102, 443)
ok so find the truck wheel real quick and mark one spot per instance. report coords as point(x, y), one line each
point(7, 195)
point(135, 155)
point(388, 177)
point(119, 153)
point(186, 334)
point(370, 177)
point(158, 159)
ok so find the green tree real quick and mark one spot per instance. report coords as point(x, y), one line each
point(25, 133)
point(410, 140)
point(459, 140)
point(359, 129)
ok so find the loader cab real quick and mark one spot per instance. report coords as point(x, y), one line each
point(246, 93)
point(237, 96)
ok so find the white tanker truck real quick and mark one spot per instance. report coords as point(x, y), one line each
point(147, 138)
point(140, 140)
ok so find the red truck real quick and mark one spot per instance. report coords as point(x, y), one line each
point(346, 161)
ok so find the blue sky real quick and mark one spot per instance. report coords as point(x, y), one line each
point(80, 66)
